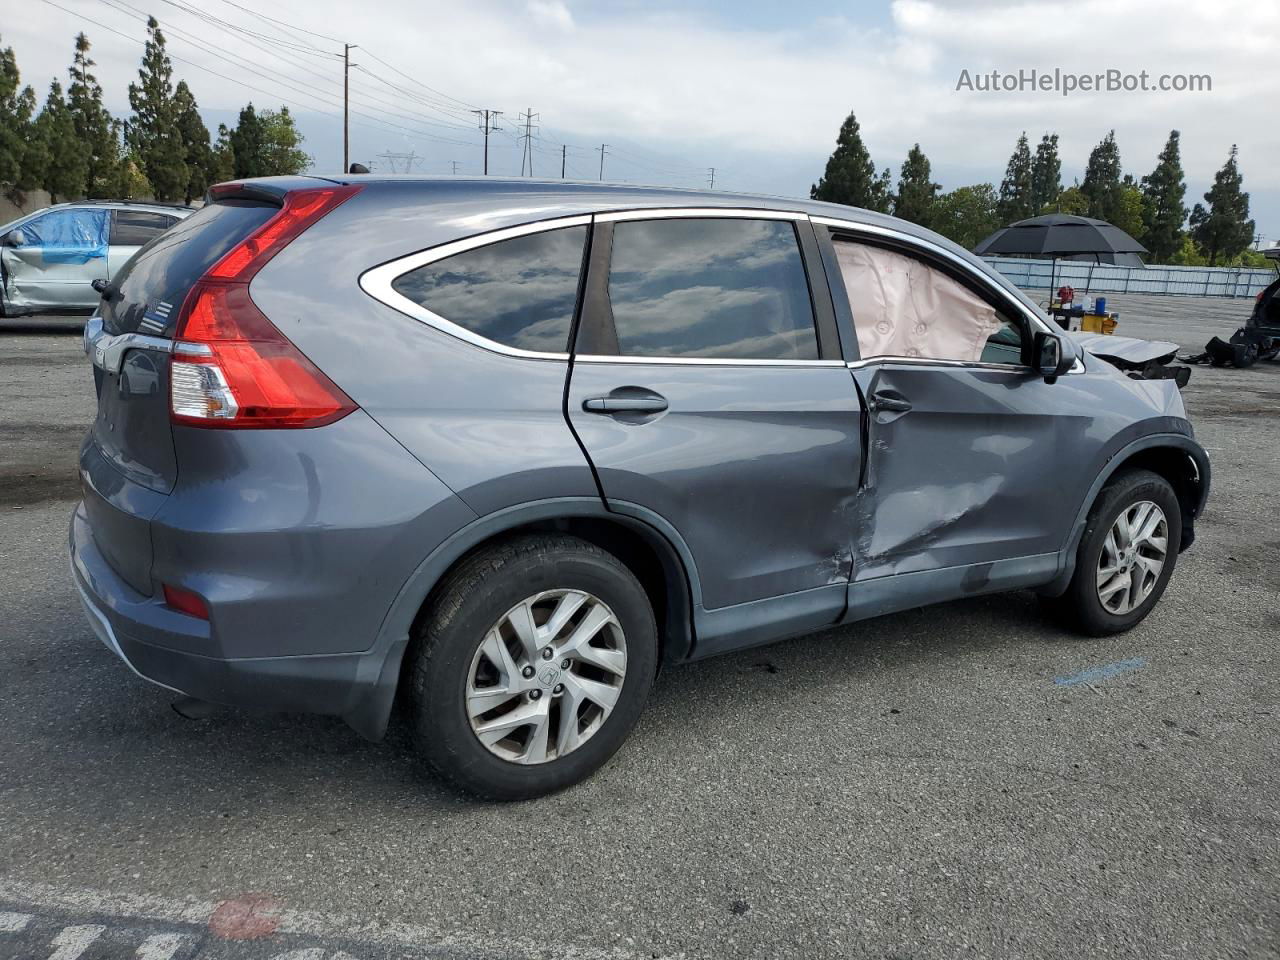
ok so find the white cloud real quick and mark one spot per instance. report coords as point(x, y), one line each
point(762, 104)
point(552, 12)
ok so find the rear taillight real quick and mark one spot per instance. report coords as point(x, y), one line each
point(231, 366)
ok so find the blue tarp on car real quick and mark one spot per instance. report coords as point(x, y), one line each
point(68, 236)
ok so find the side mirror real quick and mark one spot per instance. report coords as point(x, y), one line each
point(14, 238)
point(100, 285)
point(1053, 356)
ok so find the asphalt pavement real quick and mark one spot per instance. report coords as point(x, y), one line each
point(959, 780)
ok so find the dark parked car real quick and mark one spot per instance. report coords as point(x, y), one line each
point(500, 448)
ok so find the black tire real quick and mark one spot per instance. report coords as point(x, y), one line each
point(471, 599)
point(1080, 606)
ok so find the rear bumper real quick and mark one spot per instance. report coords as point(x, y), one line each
point(154, 641)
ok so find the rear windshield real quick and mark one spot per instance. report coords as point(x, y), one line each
point(153, 284)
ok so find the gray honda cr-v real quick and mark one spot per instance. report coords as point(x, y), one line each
point(500, 448)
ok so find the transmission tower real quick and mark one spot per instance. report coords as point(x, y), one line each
point(526, 155)
point(395, 159)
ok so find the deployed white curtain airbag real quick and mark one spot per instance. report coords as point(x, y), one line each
point(902, 307)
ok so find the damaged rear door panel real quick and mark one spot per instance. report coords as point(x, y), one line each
point(707, 389)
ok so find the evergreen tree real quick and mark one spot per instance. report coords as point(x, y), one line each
point(1102, 185)
point(248, 146)
point(93, 123)
point(967, 215)
point(1016, 192)
point(66, 165)
point(223, 167)
point(1163, 192)
point(10, 136)
point(1072, 200)
point(850, 176)
point(126, 179)
point(282, 152)
point(1046, 174)
point(197, 153)
point(1223, 230)
point(152, 134)
point(917, 193)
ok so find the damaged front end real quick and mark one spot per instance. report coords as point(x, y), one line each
point(1139, 359)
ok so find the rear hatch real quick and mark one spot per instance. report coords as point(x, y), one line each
point(128, 460)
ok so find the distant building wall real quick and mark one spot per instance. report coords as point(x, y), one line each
point(1104, 278)
point(32, 201)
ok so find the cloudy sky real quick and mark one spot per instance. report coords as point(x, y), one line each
point(755, 89)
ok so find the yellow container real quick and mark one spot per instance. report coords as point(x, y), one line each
point(1098, 323)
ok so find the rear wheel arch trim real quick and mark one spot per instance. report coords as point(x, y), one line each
point(379, 674)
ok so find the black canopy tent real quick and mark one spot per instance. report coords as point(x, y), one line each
point(1064, 236)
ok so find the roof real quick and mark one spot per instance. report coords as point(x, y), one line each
point(476, 204)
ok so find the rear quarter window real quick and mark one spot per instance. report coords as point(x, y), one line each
point(519, 292)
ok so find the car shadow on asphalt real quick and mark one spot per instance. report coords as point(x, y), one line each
point(121, 730)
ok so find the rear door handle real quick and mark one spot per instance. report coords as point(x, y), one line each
point(654, 404)
point(888, 404)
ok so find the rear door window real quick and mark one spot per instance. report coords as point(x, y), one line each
point(519, 292)
point(719, 288)
point(135, 228)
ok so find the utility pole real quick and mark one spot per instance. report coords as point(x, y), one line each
point(486, 118)
point(603, 150)
point(454, 165)
point(346, 105)
point(527, 153)
point(563, 148)
point(711, 178)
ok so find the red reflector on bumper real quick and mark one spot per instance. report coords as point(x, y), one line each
point(185, 601)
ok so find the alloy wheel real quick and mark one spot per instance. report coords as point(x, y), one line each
point(1133, 556)
point(546, 676)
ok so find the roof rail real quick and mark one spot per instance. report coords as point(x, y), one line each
point(133, 203)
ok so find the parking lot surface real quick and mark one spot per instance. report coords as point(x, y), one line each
point(963, 779)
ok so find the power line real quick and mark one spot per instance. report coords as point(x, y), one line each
point(289, 27)
point(256, 89)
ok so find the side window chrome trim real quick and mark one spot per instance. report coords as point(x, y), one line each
point(376, 282)
point(688, 213)
point(708, 361)
point(920, 243)
point(1077, 367)
point(938, 362)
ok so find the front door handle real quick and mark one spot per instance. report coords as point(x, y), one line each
point(883, 402)
point(651, 404)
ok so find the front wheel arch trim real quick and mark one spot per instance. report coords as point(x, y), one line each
point(1117, 462)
